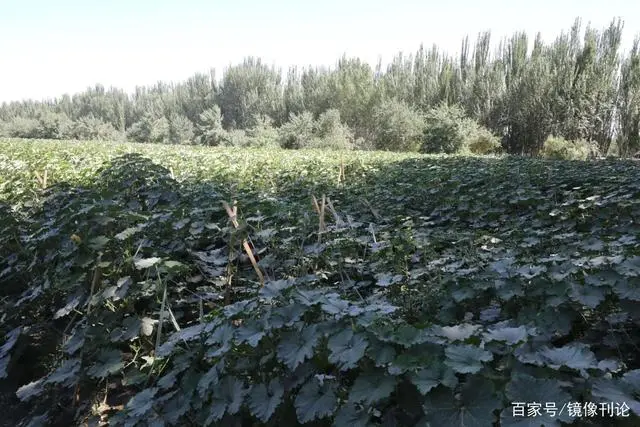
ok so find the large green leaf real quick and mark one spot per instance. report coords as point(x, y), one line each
point(474, 406)
point(265, 398)
point(109, 362)
point(315, 401)
point(296, 347)
point(466, 359)
point(527, 390)
point(347, 348)
point(370, 388)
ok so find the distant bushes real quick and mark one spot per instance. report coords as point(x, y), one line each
point(49, 125)
point(447, 130)
point(328, 132)
point(562, 149)
point(397, 127)
point(92, 128)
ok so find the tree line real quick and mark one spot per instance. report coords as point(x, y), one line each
point(579, 88)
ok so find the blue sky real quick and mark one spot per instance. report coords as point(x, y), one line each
point(48, 47)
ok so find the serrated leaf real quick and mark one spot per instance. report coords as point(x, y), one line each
point(309, 297)
point(295, 348)
point(146, 262)
point(168, 381)
point(129, 330)
point(126, 233)
point(632, 379)
point(99, 242)
point(39, 420)
point(587, 295)
point(68, 308)
point(370, 388)
point(210, 379)
point(510, 336)
point(466, 359)
point(264, 399)
point(10, 341)
point(173, 265)
point(223, 335)
point(186, 334)
point(75, 341)
point(412, 360)
point(109, 362)
point(386, 279)
point(227, 398)
point(336, 306)
point(473, 407)
point(250, 333)
point(273, 289)
point(459, 332)
point(527, 389)
point(613, 390)
point(427, 379)
point(346, 349)
point(31, 390)
point(142, 402)
point(349, 415)
point(66, 373)
point(315, 401)
point(382, 354)
point(630, 267)
point(575, 356)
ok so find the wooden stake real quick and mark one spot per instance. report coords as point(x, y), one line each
point(320, 209)
point(233, 215)
point(339, 220)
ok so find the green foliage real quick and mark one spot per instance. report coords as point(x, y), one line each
point(480, 140)
point(92, 128)
point(235, 138)
point(150, 129)
point(181, 130)
point(331, 132)
point(262, 133)
point(497, 281)
point(22, 127)
point(298, 131)
point(54, 126)
point(47, 125)
point(210, 126)
point(445, 130)
point(397, 127)
point(560, 148)
point(578, 86)
point(248, 90)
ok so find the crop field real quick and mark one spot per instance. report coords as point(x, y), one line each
point(174, 285)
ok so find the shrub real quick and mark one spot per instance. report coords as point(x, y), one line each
point(235, 138)
point(397, 127)
point(331, 133)
point(561, 149)
point(480, 140)
point(150, 129)
point(22, 127)
point(210, 127)
point(445, 130)
point(181, 130)
point(93, 128)
point(262, 134)
point(298, 131)
point(54, 126)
